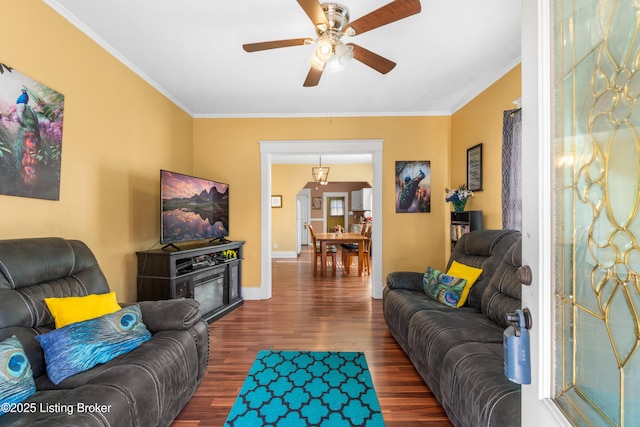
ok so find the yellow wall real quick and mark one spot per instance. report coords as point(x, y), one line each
point(118, 133)
point(480, 121)
point(409, 240)
point(288, 180)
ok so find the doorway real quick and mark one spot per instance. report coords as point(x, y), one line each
point(335, 210)
point(272, 150)
point(303, 203)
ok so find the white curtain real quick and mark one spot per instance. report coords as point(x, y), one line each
point(511, 170)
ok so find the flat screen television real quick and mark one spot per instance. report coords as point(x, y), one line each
point(192, 208)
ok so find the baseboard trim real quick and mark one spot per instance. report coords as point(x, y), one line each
point(283, 254)
point(252, 294)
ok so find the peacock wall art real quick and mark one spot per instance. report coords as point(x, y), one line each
point(31, 118)
point(413, 186)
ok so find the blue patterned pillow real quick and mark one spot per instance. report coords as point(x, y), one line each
point(83, 345)
point(16, 378)
point(444, 288)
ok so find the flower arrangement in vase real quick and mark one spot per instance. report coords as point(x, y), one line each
point(458, 197)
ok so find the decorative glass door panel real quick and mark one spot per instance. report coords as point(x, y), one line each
point(596, 201)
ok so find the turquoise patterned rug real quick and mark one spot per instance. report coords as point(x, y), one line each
point(302, 388)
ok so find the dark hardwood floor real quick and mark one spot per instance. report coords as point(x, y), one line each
point(311, 313)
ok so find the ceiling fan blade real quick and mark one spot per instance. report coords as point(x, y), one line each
point(275, 44)
point(313, 78)
point(387, 14)
point(314, 11)
point(373, 60)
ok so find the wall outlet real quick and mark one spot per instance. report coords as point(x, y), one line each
point(275, 246)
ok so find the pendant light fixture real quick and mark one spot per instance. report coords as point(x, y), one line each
point(320, 174)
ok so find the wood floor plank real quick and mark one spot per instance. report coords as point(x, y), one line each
point(314, 314)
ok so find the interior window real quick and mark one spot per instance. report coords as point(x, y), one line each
point(336, 207)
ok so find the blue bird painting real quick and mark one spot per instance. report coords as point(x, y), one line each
point(21, 103)
point(28, 139)
point(409, 192)
point(413, 186)
point(31, 121)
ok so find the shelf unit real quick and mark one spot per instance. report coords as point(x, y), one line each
point(200, 272)
point(463, 222)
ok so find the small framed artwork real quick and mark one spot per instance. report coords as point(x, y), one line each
point(474, 168)
point(316, 203)
point(276, 201)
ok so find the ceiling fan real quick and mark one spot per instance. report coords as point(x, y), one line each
point(331, 21)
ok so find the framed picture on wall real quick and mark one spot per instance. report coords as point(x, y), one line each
point(276, 201)
point(316, 203)
point(474, 168)
point(30, 136)
point(413, 186)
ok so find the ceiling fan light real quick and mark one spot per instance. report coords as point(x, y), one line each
point(334, 64)
point(344, 53)
point(324, 50)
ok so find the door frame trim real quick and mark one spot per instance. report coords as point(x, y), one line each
point(269, 150)
point(325, 206)
point(538, 407)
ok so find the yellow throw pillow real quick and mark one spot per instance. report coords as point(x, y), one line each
point(470, 274)
point(77, 309)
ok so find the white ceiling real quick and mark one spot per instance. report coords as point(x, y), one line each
point(191, 51)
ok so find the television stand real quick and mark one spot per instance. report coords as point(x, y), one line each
point(204, 272)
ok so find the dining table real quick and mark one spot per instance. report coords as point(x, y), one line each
point(326, 239)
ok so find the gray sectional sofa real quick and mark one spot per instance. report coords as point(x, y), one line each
point(145, 387)
point(459, 351)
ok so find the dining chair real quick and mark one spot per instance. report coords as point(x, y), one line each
point(317, 253)
point(352, 246)
point(351, 250)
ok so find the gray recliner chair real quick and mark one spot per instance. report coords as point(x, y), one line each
point(145, 387)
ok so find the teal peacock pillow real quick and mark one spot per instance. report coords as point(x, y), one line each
point(16, 378)
point(448, 290)
point(80, 346)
